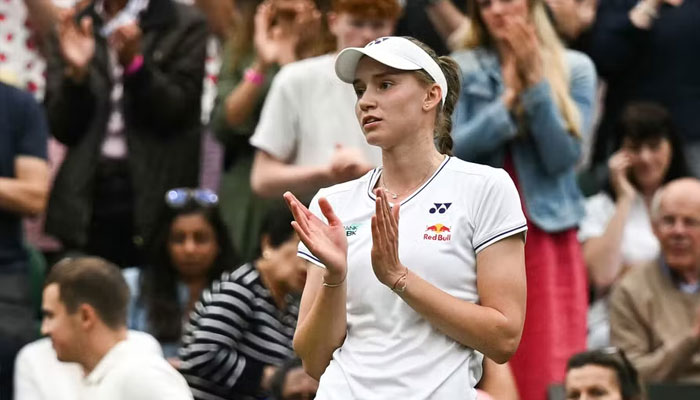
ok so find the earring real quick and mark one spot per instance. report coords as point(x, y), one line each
point(266, 254)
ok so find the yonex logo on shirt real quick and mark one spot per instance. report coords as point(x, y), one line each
point(439, 208)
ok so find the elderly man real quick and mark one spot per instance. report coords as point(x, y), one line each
point(655, 310)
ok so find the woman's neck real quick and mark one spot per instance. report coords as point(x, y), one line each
point(276, 289)
point(195, 287)
point(406, 167)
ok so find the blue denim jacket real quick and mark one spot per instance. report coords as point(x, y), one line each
point(545, 156)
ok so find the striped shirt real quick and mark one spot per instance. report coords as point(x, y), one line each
point(235, 330)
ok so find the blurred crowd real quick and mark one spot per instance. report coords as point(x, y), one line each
point(145, 146)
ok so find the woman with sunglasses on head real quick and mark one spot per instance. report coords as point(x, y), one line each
point(526, 105)
point(241, 329)
point(604, 374)
point(399, 308)
point(190, 248)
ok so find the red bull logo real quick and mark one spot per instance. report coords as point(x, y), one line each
point(437, 232)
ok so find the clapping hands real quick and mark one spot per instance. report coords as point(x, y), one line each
point(280, 27)
point(77, 44)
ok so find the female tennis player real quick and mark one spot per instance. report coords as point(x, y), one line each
point(421, 261)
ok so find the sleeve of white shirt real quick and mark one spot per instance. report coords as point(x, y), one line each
point(499, 213)
point(277, 131)
point(304, 251)
point(26, 387)
point(155, 379)
point(599, 211)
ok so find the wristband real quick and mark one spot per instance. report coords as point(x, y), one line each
point(254, 76)
point(135, 65)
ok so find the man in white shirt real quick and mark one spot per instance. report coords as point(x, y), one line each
point(84, 305)
point(308, 136)
point(39, 375)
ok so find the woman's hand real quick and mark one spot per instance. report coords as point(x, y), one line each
point(511, 79)
point(77, 44)
point(325, 241)
point(522, 41)
point(619, 166)
point(385, 241)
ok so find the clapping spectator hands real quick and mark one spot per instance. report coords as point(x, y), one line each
point(126, 41)
point(77, 44)
point(279, 28)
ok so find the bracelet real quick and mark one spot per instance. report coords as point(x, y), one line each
point(401, 288)
point(332, 285)
point(135, 64)
point(254, 76)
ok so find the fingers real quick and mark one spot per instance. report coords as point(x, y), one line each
point(328, 212)
point(298, 211)
point(86, 26)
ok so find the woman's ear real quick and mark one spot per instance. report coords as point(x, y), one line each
point(433, 97)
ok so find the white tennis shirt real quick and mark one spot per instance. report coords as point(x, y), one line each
point(391, 351)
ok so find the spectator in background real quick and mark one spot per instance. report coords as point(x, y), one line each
point(655, 309)
point(291, 382)
point(266, 36)
point(241, 330)
point(525, 105)
point(431, 21)
point(39, 375)
point(647, 50)
point(308, 136)
point(572, 18)
point(616, 233)
point(124, 89)
point(604, 374)
point(24, 187)
point(84, 305)
point(190, 248)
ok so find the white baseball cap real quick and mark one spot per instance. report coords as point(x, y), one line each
point(395, 52)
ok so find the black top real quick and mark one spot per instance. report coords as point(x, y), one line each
point(660, 64)
point(23, 132)
point(234, 332)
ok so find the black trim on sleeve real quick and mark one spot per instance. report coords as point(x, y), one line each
point(500, 235)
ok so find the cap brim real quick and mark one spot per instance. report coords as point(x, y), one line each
point(347, 60)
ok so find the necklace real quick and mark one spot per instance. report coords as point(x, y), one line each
point(396, 195)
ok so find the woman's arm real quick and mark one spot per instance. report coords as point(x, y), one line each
point(556, 146)
point(479, 133)
point(211, 344)
point(492, 327)
point(322, 322)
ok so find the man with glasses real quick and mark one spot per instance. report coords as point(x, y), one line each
point(655, 309)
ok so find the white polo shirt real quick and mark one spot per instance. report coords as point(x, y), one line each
point(39, 375)
point(391, 351)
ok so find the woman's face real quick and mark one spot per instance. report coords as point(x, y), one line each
point(650, 161)
point(389, 102)
point(289, 269)
point(592, 382)
point(496, 13)
point(192, 245)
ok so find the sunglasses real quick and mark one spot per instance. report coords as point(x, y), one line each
point(180, 197)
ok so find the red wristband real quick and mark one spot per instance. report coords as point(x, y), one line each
point(135, 65)
point(254, 76)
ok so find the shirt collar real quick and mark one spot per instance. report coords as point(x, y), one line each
point(687, 288)
point(113, 357)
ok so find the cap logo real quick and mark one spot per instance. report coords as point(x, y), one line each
point(377, 41)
